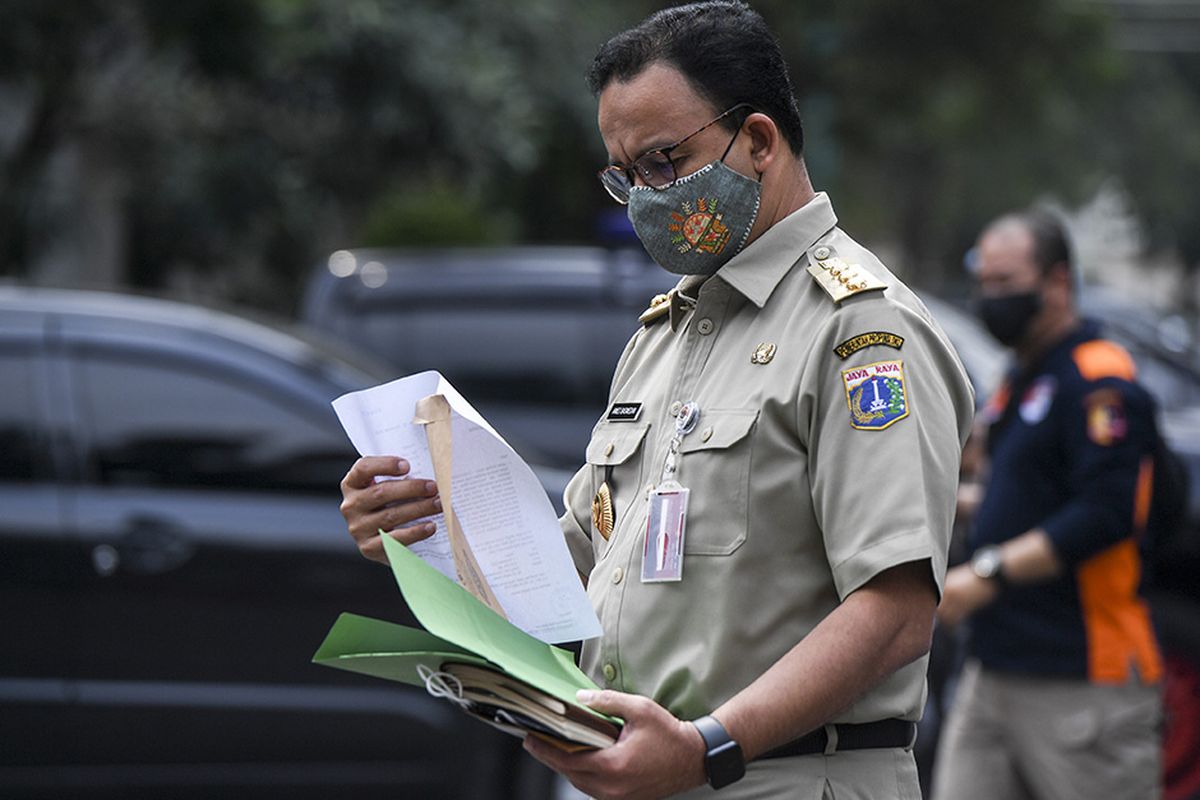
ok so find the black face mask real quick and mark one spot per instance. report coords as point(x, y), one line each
point(1007, 317)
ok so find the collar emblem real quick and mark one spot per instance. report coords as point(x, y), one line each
point(763, 353)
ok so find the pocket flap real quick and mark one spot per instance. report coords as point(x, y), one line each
point(720, 428)
point(615, 442)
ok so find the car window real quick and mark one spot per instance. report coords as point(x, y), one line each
point(191, 425)
point(23, 445)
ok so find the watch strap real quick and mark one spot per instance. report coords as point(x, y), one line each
point(723, 760)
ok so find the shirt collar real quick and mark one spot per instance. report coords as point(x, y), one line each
point(757, 270)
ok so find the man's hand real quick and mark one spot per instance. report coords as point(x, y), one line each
point(964, 594)
point(657, 755)
point(1028, 558)
point(391, 505)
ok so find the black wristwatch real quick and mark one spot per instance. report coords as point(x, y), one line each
point(723, 761)
point(987, 564)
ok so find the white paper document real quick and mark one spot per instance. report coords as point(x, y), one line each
point(501, 506)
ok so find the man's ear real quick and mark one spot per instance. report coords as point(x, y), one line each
point(1060, 275)
point(1060, 282)
point(765, 140)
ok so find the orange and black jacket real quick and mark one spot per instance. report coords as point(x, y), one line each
point(1070, 441)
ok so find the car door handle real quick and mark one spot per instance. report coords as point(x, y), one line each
point(150, 547)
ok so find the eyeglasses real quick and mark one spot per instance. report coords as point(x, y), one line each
point(654, 168)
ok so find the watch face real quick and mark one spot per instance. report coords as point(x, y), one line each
point(986, 563)
point(724, 764)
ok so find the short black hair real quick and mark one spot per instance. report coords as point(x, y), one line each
point(724, 49)
point(1051, 246)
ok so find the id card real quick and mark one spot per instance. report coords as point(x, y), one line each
point(662, 552)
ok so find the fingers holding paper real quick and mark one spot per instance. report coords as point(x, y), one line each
point(378, 494)
point(657, 755)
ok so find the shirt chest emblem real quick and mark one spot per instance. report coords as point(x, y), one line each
point(876, 395)
point(1035, 404)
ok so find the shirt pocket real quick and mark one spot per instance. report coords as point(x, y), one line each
point(715, 466)
point(615, 452)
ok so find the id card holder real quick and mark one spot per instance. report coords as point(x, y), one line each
point(662, 550)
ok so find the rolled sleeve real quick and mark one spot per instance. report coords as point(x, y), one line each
point(862, 566)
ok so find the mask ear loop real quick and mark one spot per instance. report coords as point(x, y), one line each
point(443, 684)
point(729, 147)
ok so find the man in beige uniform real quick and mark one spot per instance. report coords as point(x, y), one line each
point(813, 411)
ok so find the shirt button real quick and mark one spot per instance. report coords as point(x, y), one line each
point(821, 253)
point(675, 408)
point(610, 672)
point(706, 435)
point(618, 574)
point(705, 326)
point(608, 451)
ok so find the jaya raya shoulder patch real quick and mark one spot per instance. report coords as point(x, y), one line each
point(876, 395)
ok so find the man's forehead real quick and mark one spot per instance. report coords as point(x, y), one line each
point(655, 108)
point(1005, 249)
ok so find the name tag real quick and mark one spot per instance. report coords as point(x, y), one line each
point(624, 412)
point(662, 551)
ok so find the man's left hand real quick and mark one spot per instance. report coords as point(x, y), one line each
point(656, 755)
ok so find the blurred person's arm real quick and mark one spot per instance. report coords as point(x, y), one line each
point(1029, 558)
point(1105, 479)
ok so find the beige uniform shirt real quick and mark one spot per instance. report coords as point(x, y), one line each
point(796, 501)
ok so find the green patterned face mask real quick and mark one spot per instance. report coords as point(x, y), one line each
point(699, 222)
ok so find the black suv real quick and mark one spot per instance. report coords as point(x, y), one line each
point(171, 555)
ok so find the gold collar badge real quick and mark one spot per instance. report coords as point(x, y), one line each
point(763, 353)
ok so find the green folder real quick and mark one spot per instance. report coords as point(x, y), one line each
point(459, 628)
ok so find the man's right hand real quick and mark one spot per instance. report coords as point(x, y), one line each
point(399, 507)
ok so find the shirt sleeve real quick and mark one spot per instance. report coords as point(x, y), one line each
point(1107, 435)
point(885, 432)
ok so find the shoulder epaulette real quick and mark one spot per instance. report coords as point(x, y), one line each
point(837, 277)
point(660, 304)
point(1100, 358)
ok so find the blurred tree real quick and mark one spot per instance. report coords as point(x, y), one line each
point(1152, 139)
point(438, 215)
point(253, 136)
point(239, 140)
point(946, 112)
point(42, 86)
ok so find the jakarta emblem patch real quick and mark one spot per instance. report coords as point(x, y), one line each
point(876, 395)
point(1106, 423)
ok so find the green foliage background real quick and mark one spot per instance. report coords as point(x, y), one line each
point(270, 132)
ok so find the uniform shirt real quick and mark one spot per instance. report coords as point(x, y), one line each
point(1070, 442)
point(791, 508)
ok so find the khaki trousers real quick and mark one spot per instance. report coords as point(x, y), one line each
point(1024, 738)
point(885, 774)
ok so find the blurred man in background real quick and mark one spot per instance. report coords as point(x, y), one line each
point(1059, 698)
